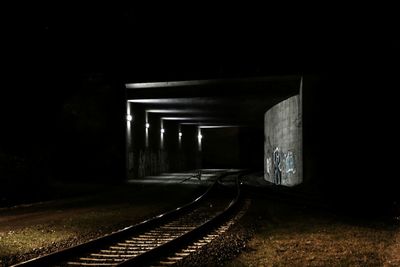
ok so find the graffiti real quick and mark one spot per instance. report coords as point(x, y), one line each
point(280, 165)
point(290, 163)
point(268, 158)
point(269, 166)
point(277, 167)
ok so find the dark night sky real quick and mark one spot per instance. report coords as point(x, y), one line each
point(162, 42)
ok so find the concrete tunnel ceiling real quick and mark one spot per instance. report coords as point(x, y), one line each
point(218, 102)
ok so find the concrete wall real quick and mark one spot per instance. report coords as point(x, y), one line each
point(152, 162)
point(283, 143)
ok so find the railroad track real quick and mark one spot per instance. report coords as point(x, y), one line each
point(162, 240)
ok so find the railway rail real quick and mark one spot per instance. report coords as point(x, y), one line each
point(162, 240)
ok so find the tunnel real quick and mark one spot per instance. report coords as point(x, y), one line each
point(212, 124)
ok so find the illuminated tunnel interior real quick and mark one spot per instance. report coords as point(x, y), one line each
point(209, 124)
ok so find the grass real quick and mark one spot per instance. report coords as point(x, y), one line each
point(288, 235)
point(27, 232)
point(27, 239)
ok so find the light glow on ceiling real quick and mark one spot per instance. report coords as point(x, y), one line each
point(186, 118)
point(218, 126)
point(167, 84)
point(183, 100)
point(206, 82)
point(174, 111)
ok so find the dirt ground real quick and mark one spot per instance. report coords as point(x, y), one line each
point(294, 235)
point(29, 231)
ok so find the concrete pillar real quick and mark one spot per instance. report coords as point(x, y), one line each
point(129, 150)
point(147, 126)
point(179, 137)
point(199, 138)
point(199, 144)
point(162, 131)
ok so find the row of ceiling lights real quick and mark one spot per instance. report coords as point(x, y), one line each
point(130, 118)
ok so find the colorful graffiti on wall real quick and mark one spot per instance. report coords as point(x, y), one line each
point(280, 163)
point(277, 166)
point(289, 161)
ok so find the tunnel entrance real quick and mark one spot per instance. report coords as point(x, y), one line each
point(215, 124)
